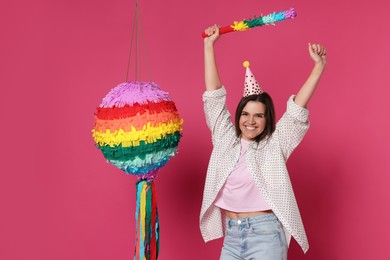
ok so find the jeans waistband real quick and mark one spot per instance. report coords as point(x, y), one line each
point(250, 220)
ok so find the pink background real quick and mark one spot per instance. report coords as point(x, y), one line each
point(60, 200)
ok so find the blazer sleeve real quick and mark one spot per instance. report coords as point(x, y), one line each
point(292, 127)
point(217, 114)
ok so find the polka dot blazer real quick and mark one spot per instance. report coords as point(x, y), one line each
point(266, 163)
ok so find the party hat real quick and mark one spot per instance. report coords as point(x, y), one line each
point(252, 87)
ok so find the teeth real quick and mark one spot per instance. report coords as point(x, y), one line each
point(250, 128)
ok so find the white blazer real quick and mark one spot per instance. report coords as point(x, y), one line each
point(266, 163)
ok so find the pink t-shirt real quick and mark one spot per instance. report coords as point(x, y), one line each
point(239, 193)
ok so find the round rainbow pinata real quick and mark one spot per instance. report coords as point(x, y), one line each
point(137, 128)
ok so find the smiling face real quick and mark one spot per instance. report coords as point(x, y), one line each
point(252, 120)
point(262, 124)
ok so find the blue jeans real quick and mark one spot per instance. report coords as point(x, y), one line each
point(254, 238)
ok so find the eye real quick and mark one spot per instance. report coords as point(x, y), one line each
point(244, 113)
point(260, 115)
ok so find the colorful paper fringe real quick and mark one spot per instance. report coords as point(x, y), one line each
point(260, 21)
point(137, 128)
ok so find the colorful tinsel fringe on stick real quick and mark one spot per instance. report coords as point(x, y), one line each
point(259, 21)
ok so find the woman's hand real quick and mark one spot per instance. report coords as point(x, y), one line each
point(213, 35)
point(317, 53)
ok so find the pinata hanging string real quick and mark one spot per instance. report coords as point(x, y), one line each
point(137, 29)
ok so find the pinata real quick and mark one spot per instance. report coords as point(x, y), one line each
point(138, 129)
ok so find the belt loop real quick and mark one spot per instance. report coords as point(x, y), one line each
point(229, 223)
point(247, 223)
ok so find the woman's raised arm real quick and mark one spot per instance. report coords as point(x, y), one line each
point(317, 53)
point(212, 80)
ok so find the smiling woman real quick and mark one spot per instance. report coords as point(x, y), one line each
point(247, 182)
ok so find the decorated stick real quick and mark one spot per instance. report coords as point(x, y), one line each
point(260, 21)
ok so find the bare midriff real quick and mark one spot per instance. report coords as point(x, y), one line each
point(231, 214)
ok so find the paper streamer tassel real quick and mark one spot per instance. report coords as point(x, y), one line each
point(148, 230)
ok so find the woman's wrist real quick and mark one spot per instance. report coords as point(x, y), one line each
point(209, 45)
point(319, 65)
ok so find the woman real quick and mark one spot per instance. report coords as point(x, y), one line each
point(248, 197)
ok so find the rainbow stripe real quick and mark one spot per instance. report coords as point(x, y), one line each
point(137, 127)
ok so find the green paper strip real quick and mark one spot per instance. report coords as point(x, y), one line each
point(120, 153)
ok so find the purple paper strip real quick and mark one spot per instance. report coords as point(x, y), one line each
point(132, 92)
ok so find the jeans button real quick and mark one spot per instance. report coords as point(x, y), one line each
point(239, 221)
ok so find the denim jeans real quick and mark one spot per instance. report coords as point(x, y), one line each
point(254, 238)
